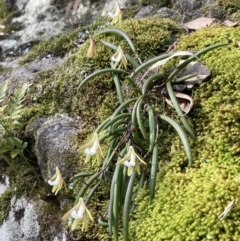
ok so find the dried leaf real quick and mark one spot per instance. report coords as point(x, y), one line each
point(199, 23)
point(229, 23)
point(185, 102)
point(164, 61)
point(227, 210)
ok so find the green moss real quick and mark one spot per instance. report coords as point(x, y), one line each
point(5, 14)
point(63, 44)
point(5, 204)
point(229, 4)
point(187, 206)
point(4, 11)
point(21, 178)
point(58, 47)
point(189, 200)
point(57, 91)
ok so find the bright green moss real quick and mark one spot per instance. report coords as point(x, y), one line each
point(189, 200)
point(187, 206)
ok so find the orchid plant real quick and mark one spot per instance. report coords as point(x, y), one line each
point(131, 161)
point(132, 134)
point(79, 213)
point(91, 148)
point(57, 182)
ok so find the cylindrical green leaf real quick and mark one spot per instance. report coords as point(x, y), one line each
point(118, 88)
point(127, 206)
point(139, 120)
point(149, 63)
point(86, 186)
point(193, 57)
point(152, 128)
point(102, 71)
point(182, 79)
point(149, 81)
point(179, 111)
point(153, 174)
point(182, 135)
point(118, 32)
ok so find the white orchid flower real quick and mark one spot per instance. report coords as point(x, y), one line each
point(56, 181)
point(80, 213)
point(131, 161)
point(92, 148)
point(116, 14)
point(119, 58)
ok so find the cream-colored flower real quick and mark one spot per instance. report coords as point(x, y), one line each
point(56, 181)
point(91, 48)
point(80, 213)
point(92, 148)
point(116, 14)
point(119, 58)
point(131, 161)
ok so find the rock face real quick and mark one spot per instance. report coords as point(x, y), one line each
point(41, 20)
point(22, 222)
point(55, 146)
point(4, 183)
point(20, 74)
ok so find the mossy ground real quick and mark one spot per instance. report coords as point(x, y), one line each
point(189, 199)
point(56, 90)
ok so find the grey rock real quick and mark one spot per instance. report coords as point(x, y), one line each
point(188, 5)
point(4, 183)
point(55, 144)
point(168, 13)
point(22, 223)
point(7, 44)
point(19, 74)
point(41, 20)
point(146, 11)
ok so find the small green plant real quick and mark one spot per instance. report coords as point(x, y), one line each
point(132, 132)
point(10, 113)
